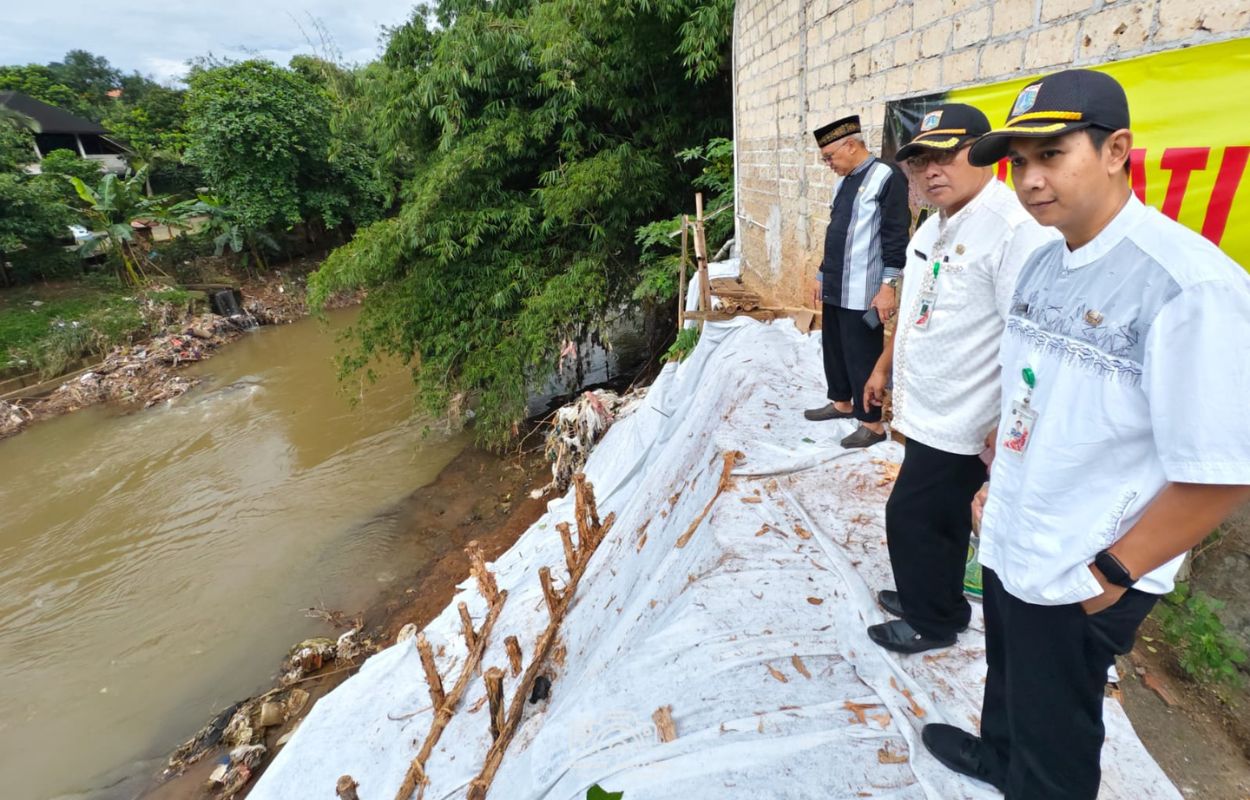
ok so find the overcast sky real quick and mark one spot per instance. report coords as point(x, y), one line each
point(157, 38)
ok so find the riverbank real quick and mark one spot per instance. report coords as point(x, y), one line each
point(480, 496)
point(160, 331)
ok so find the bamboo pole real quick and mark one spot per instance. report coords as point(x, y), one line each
point(549, 591)
point(437, 695)
point(700, 251)
point(681, 279)
point(493, 678)
point(514, 654)
point(416, 771)
point(466, 623)
point(570, 552)
point(558, 604)
point(345, 788)
point(477, 567)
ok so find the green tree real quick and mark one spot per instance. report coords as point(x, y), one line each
point(91, 77)
point(41, 83)
point(536, 138)
point(261, 135)
point(33, 216)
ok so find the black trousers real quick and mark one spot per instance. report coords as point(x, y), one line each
point(851, 353)
point(928, 520)
point(1042, 714)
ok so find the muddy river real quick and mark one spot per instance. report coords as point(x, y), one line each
point(155, 567)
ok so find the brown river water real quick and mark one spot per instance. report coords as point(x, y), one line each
point(155, 567)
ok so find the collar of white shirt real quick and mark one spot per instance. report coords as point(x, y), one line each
point(1108, 237)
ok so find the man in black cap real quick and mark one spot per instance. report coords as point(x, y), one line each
point(1122, 441)
point(865, 250)
point(962, 267)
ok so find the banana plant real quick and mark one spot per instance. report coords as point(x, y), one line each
point(111, 206)
point(228, 231)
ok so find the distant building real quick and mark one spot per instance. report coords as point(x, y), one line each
point(57, 129)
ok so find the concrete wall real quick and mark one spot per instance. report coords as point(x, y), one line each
point(802, 63)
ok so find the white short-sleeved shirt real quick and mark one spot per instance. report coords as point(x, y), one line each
point(946, 379)
point(1140, 343)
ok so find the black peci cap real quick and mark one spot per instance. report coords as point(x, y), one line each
point(945, 128)
point(847, 126)
point(1053, 106)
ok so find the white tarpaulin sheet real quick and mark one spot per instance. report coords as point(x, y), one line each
point(754, 632)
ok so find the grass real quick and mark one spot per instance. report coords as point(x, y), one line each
point(49, 327)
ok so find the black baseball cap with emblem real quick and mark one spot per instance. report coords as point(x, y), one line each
point(847, 126)
point(945, 128)
point(1056, 105)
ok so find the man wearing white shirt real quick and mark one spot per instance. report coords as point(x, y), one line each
point(962, 265)
point(1123, 438)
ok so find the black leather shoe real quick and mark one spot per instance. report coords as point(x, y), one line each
point(825, 412)
point(900, 637)
point(964, 753)
point(888, 599)
point(863, 437)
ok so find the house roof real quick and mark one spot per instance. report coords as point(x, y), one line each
point(46, 118)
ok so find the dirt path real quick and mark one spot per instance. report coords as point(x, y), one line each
point(1193, 735)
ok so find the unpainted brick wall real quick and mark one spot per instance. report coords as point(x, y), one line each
point(803, 63)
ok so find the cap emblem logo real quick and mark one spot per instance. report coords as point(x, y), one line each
point(1026, 99)
point(931, 121)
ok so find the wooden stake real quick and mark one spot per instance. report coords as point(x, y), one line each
point(681, 276)
point(570, 551)
point(493, 678)
point(416, 771)
point(549, 591)
point(437, 696)
point(587, 514)
point(345, 788)
point(700, 252)
point(477, 566)
point(514, 654)
point(664, 725)
point(466, 622)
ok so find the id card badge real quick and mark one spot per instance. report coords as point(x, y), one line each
point(924, 312)
point(1020, 428)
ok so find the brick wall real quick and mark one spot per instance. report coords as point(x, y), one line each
point(802, 63)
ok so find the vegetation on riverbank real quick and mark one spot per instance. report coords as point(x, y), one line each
point(506, 177)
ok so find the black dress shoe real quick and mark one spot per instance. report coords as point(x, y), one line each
point(900, 637)
point(964, 753)
point(829, 411)
point(863, 437)
point(888, 599)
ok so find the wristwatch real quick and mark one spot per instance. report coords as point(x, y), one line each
point(891, 282)
point(1114, 571)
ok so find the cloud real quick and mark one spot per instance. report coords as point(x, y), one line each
point(159, 40)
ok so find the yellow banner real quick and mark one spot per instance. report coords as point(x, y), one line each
point(1191, 135)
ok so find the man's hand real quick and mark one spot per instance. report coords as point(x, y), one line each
point(817, 292)
point(1111, 594)
point(874, 389)
point(885, 302)
point(978, 506)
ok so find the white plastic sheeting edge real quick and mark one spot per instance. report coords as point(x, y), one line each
point(754, 632)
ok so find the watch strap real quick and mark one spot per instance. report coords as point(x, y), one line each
point(1113, 569)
